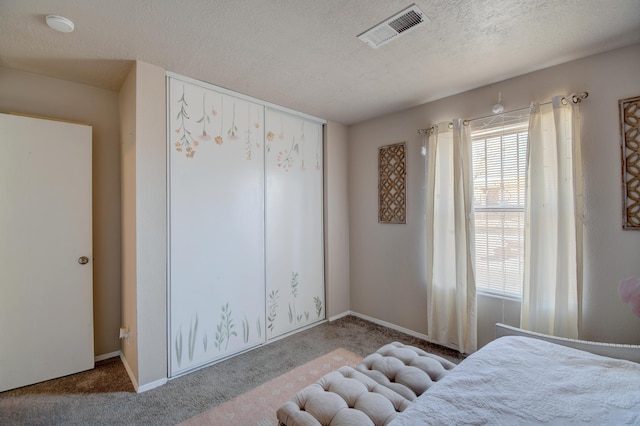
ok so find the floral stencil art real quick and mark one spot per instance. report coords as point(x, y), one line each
point(286, 158)
point(294, 144)
point(281, 135)
point(270, 138)
point(193, 332)
point(224, 330)
point(273, 309)
point(205, 119)
point(179, 345)
point(629, 291)
point(250, 139)
point(214, 113)
point(217, 118)
point(233, 130)
point(185, 143)
point(302, 142)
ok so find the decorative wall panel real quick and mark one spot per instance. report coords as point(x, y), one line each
point(392, 193)
point(630, 133)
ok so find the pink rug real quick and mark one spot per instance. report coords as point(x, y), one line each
point(258, 406)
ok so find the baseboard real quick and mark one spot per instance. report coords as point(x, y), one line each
point(391, 326)
point(151, 385)
point(401, 329)
point(160, 382)
point(132, 377)
point(107, 356)
point(134, 382)
point(342, 315)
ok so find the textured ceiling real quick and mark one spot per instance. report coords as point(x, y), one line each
point(305, 54)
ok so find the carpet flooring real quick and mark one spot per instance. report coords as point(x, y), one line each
point(258, 406)
point(105, 396)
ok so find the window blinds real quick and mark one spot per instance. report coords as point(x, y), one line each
point(499, 146)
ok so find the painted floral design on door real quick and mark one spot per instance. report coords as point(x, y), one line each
point(224, 332)
point(185, 142)
point(293, 161)
point(295, 315)
point(216, 224)
point(213, 117)
point(290, 144)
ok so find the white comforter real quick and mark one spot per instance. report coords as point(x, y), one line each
point(519, 380)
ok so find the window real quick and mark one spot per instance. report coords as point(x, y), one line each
point(499, 146)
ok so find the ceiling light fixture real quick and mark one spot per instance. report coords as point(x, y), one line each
point(60, 23)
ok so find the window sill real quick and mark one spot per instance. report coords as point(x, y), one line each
point(488, 293)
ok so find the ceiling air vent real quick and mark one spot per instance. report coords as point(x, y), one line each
point(410, 18)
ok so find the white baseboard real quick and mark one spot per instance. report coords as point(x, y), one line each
point(134, 382)
point(342, 315)
point(107, 356)
point(391, 326)
point(160, 382)
point(401, 329)
point(151, 385)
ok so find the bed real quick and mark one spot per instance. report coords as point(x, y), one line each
point(527, 378)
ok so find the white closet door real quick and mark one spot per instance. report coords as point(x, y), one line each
point(216, 212)
point(46, 294)
point(295, 263)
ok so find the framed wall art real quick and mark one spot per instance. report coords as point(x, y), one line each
point(392, 193)
point(630, 144)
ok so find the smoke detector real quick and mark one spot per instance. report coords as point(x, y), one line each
point(400, 23)
point(59, 23)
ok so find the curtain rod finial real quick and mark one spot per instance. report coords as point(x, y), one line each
point(576, 98)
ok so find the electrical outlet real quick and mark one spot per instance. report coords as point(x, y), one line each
point(124, 333)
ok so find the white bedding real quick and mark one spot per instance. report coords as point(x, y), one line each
point(519, 380)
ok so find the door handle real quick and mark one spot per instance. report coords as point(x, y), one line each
point(83, 260)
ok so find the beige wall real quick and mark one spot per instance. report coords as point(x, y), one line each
point(127, 103)
point(151, 222)
point(38, 95)
point(387, 261)
point(144, 280)
point(371, 269)
point(336, 228)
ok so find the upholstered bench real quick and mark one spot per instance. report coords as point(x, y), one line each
point(342, 397)
point(405, 369)
point(380, 387)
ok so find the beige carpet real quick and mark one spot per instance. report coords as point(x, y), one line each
point(258, 406)
point(105, 396)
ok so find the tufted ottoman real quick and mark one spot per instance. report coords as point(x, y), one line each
point(382, 385)
point(405, 369)
point(342, 397)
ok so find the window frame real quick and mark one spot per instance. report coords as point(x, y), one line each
point(503, 126)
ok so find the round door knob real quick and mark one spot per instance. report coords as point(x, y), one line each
point(83, 260)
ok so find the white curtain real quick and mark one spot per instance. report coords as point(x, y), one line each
point(451, 288)
point(553, 221)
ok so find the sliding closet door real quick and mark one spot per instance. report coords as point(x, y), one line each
point(216, 207)
point(295, 264)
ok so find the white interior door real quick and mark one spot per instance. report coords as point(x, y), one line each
point(46, 302)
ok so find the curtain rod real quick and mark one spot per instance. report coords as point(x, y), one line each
point(576, 98)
